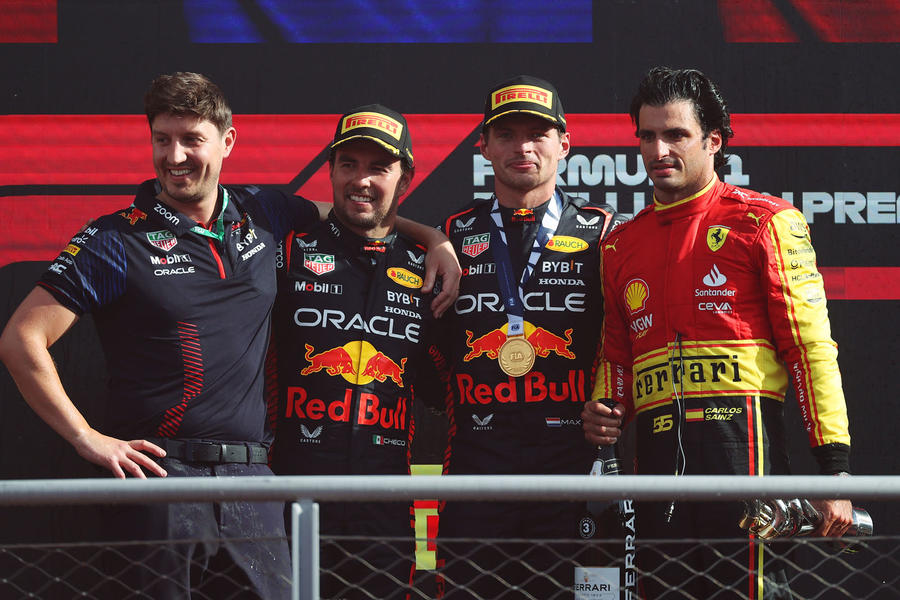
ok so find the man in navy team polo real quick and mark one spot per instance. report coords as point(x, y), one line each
point(181, 286)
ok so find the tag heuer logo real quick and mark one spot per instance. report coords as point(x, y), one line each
point(474, 245)
point(162, 239)
point(319, 263)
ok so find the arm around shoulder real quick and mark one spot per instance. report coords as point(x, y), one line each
point(441, 261)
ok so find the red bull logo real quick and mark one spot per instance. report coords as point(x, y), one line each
point(375, 246)
point(380, 367)
point(536, 387)
point(358, 362)
point(134, 215)
point(543, 341)
point(371, 412)
point(523, 215)
point(336, 361)
point(370, 409)
point(239, 224)
point(488, 344)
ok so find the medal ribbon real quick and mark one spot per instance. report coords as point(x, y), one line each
point(509, 291)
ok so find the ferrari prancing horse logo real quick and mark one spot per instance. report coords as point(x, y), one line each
point(715, 236)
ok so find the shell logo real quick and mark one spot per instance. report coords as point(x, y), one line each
point(636, 294)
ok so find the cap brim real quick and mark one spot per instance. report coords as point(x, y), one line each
point(394, 151)
point(544, 116)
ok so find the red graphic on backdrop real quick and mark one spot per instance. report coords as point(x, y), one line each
point(28, 22)
point(112, 150)
point(756, 21)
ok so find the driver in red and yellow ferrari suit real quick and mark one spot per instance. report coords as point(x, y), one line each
point(714, 305)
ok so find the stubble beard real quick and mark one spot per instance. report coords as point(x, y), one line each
point(368, 222)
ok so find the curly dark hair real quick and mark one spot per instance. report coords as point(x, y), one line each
point(184, 93)
point(662, 85)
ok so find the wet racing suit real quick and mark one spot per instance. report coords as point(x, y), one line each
point(182, 314)
point(713, 306)
point(350, 329)
point(529, 424)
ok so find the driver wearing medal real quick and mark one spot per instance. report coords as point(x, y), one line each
point(520, 343)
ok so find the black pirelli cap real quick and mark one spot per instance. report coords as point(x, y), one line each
point(379, 124)
point(525, 94)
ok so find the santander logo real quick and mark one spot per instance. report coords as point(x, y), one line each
point(715, 277)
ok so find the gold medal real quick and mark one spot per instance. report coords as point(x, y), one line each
point(516, 356)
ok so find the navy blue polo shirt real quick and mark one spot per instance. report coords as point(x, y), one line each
point(183, 315)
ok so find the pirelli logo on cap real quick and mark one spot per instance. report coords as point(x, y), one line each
point(522, 93)
point(386, 124)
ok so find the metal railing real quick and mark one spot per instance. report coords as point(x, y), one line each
point(448, 487)
point(306, 492)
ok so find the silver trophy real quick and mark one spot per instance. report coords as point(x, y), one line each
point(768, 519)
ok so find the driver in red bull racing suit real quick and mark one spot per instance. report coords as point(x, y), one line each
point(521, 343)
point(350, 328)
